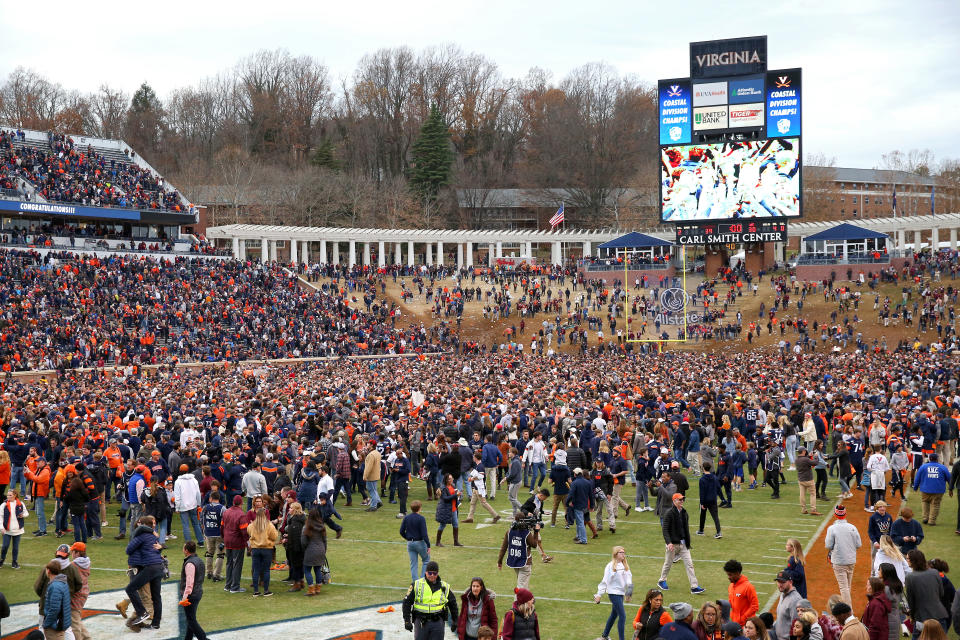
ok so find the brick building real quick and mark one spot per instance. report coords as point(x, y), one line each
point(844, 193)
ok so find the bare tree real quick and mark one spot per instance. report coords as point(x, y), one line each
point(108, 110)
point(820, 190)
point(235, 169)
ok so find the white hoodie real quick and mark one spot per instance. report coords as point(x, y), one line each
point(186, 492)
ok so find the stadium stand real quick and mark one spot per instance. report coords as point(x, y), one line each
point(65, 311)
point(61, 170)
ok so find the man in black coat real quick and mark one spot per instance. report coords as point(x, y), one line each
point(676, 535)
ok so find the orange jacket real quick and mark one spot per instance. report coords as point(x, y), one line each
point(41, 481)
point(743, 600)
point(58, 479)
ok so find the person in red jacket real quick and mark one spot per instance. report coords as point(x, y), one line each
point(476, 610)
point(41, 489)
point(742, 595)
point(876, 616)
point(235, 523)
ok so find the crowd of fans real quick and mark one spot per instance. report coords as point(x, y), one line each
point(62, 172)
point(63, 311)
point(275, 435)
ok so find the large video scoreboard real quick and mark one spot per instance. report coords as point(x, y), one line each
point(730, 136)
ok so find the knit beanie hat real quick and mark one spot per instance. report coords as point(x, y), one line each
point(840, 512)
point(523, 595)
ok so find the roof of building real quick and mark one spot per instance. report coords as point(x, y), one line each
point(516, 198)
point(634, 240)
point(845, 231)
point(881, 176)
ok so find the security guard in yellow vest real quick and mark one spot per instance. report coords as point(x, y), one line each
point(426, 605)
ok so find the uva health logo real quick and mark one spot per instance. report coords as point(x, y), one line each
point(674, 91)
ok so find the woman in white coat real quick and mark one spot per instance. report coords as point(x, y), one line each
point(617, 583)
point(889, 553)
point(12, 514)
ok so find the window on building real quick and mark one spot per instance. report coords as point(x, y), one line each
point(878, 200)
point(843, 212)
point(843, 199)
point(853, 186)
point(854, 213)
point(854, 199)
point(866, 199)
point(843, 185)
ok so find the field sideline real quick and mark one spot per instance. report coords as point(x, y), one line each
point(370, 565)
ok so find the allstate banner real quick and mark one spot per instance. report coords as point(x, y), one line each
point(783, 103)
point(675, 111)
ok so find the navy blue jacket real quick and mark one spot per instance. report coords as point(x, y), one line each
point(491, 456)
point(677, 631)
point(140, 549)
point(900, 529)
point(413, 527)
point(580, 493)
point(709, 488)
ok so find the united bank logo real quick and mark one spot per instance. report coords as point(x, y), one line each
point(674, 91)
point(783, 82)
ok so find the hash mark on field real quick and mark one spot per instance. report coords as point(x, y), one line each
point(567, 552)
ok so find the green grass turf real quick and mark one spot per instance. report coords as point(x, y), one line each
point(370, 564)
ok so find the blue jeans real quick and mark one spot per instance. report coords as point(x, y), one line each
point(616, 614)
point(791, 449)
point(535, 469)
point(641, 495)
point(456, 522)
point(463, 484)
point(581, 528)
point(261, 568)
point(162, 530)
point(79, 528)
point(342, 483)
point(41, 513)
point(6, 545)
point(417, 550)
point(125, 507)
point(16, 474)
point(189, 519)
point(311, 574)
point(374, 490)
point(63, 516)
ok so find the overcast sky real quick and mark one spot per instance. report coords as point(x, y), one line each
point(878, 74)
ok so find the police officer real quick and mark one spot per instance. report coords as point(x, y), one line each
point(426, 604)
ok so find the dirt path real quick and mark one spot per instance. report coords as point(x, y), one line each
point(821, 583)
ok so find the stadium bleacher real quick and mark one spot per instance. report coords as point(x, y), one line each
point(64, 311)
point(62, 170)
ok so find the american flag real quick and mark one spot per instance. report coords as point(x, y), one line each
point(557, 217)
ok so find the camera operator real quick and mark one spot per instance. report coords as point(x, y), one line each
point(518, 544)
point(533, 508)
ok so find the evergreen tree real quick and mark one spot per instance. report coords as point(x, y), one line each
point(325, 156)
point(144, 123)
point(432, 158)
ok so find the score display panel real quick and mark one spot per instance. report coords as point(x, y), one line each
point(741, 231)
